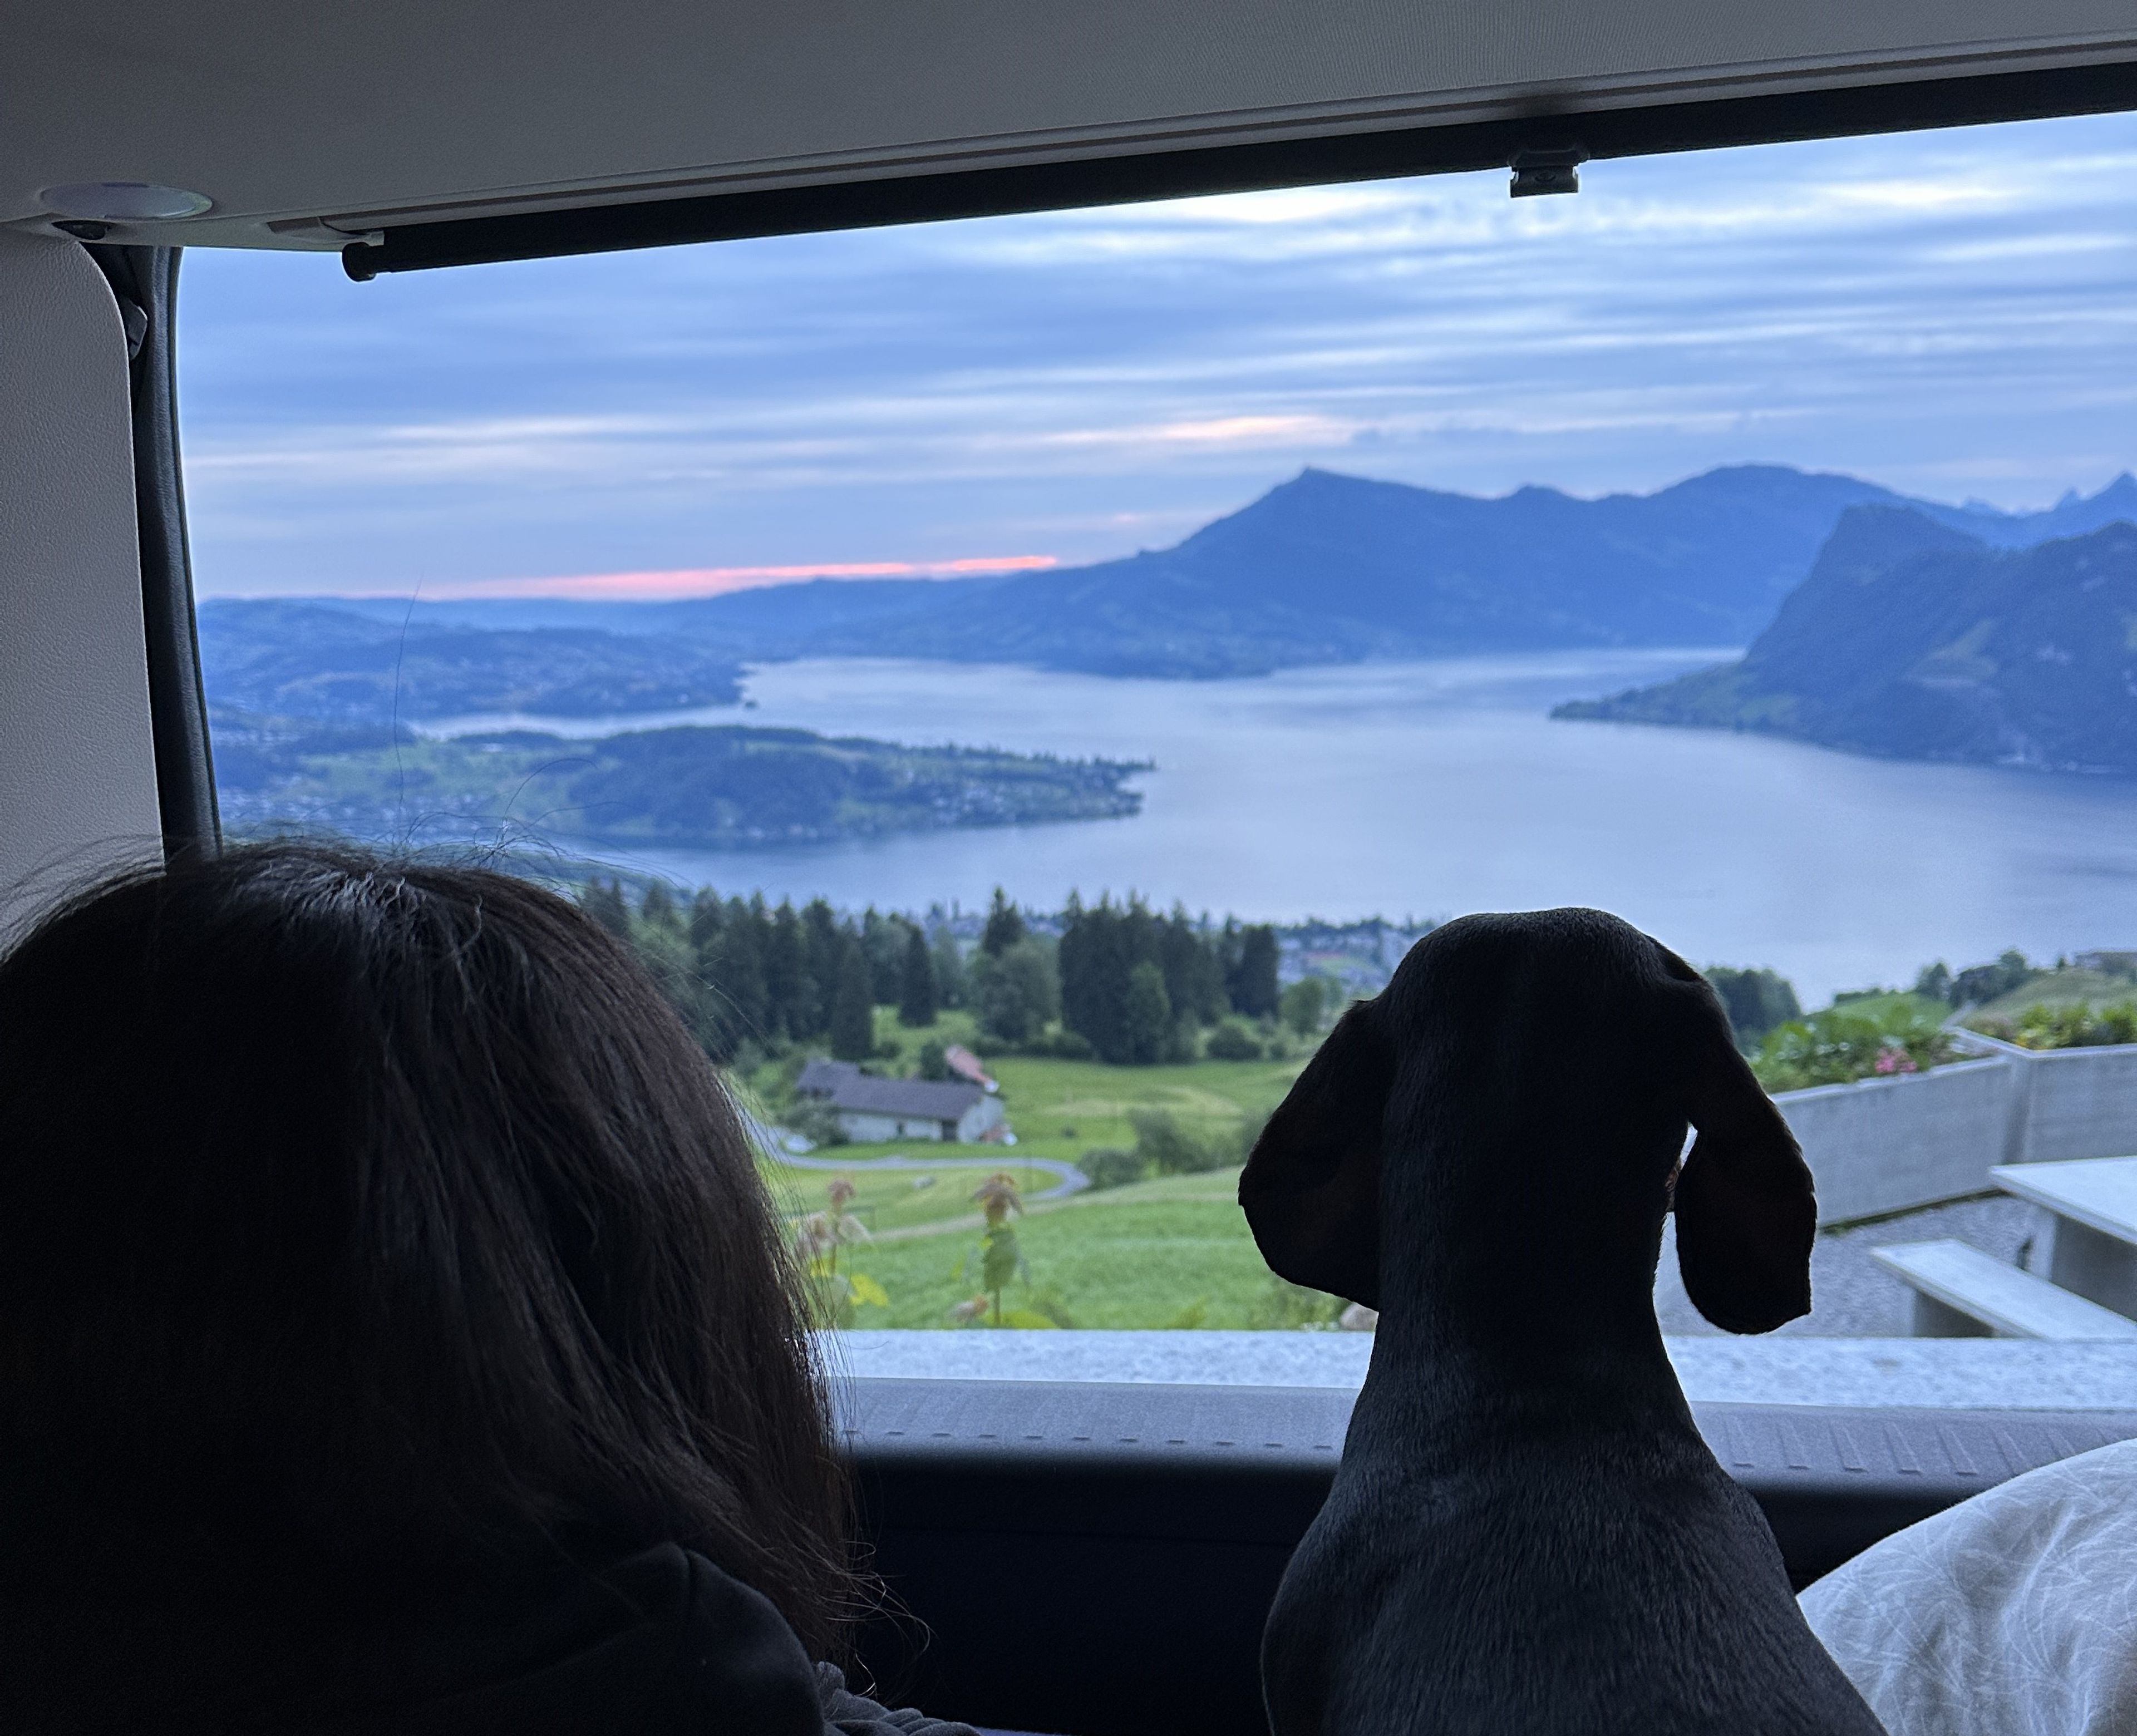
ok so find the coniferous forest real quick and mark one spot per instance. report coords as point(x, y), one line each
point(1112, 981)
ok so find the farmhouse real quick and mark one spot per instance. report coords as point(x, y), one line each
point(870, 1109)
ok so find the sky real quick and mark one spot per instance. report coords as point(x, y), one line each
point(1949, 313)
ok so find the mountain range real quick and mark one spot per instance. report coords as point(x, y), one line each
point(1330, 569)
point(1324, 568)
point(1327, 568)
point(1911, 638)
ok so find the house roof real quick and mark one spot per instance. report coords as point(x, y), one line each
point(967, 1065)
point(851, 1090)
point(820, 1078)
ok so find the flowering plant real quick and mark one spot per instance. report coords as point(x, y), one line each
point(839, 1296)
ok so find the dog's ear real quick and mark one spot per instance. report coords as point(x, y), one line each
point(1312, 1189)
point(1746, 1215)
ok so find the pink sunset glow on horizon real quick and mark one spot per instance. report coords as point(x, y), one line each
point(694, 581)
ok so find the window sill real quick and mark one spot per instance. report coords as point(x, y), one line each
point(1965, 1373)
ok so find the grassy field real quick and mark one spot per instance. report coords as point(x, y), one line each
point(2068, 987)
point(1172, 1251)
point(1062, 1109)
point(897, 1201)
point(1894, 1003)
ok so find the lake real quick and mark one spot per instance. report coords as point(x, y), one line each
point(1429, 789)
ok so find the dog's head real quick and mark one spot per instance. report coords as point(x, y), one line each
point(1518, 1095)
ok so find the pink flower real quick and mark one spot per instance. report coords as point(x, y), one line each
point(1896, 1061)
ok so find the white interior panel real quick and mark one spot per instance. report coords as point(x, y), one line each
point(399, 109)
point(77, 771)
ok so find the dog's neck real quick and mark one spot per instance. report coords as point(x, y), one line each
point(1495, 1275)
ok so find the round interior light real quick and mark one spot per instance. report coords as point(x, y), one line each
point(123, 202)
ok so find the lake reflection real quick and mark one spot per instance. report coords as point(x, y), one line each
point(1433, 788)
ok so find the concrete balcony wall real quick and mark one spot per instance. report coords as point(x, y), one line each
point(2084, 1104)
point(1887, 1145)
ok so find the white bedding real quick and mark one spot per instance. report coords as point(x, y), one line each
point(2012, 1614)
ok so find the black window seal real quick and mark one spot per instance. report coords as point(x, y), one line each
point(145, 281)
point(1658, 128)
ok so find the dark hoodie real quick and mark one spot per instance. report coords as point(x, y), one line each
point(663, 1644)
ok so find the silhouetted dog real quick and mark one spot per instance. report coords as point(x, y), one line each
point(1527, 1534)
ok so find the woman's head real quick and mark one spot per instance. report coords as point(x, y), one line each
point(384, 1215)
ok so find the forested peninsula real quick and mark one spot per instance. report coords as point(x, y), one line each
point(687, 787)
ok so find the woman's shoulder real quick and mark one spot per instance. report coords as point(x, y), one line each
point(740, 1664)
point(664, 1642)
point(849, 1713)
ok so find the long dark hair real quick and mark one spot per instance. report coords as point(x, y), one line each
point(382, 1217)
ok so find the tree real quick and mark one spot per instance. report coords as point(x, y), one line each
point(1016, 994)
point(1194, 973)
point(792, 1008)
point(853, 1006)
point(882, 938)
point(1107, 1166)
point(1094, 965)
point(604, 903)
point(1305, 1003)
point(823, 946)
point(734, 1002)
point(934, 1060)
point(658, 907)
point(1004, 925)
point(1146, 1016)
point(1979, 982)
point(664, 950)
point(950, 974)
point(1165, 1146)
point(1756, 1002)
point(707, 916)
point(917, 1003)
point(702, 928)
point(1252, 987)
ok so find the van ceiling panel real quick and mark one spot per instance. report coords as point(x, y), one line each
point(307, 125)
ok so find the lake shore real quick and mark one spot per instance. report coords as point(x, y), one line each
point(1431, 788)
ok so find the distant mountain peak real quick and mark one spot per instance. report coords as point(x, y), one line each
point(2123, 489)
point(1870, 538)
point(1313, 477)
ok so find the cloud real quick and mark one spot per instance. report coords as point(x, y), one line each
point(719, 581)
point(1226, 430)
point(1923, 309)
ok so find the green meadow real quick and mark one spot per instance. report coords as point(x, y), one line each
point(1171, 1252)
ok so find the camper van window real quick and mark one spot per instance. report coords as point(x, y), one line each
point(1016, 682)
